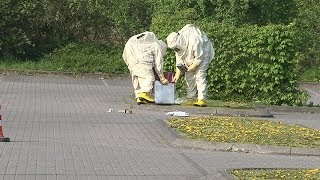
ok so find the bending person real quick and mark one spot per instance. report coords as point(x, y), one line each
point(143, 54)
point(194, 52)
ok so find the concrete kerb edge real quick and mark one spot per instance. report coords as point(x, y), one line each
point(226, 175)
point(295, 151)
point(170, 136)
point(245, 148)
point(292, 109)
point(175, 139)
point(221, 175)
point(167, 133)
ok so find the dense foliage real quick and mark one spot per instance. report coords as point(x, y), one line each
point(257, 60)
point(255, 63)
point(30, 29)
point(308, 23)
point(262, 46)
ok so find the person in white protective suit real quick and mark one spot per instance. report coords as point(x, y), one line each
point(194, 52)
point(143, 54)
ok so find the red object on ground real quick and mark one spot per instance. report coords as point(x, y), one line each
point(2, 138)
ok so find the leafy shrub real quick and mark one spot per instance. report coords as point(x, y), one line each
point(236, 12)
point(252, 63)
point(13, 38)
point(30, 29)
point(255, 63)
point(308, 25)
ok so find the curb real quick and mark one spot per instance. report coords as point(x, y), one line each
point(292, 109)
point(246, 148)
point(174, 139)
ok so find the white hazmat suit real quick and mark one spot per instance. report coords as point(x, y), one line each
point(195, 51)
point(143, 54)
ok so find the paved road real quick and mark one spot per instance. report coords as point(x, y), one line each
point(314, 90)
point(307, 117)
point(60, 128)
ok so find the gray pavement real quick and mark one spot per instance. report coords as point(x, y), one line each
point(60, 128)
point(313, 90)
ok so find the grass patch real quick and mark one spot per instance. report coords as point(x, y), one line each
point(74, 58)
point(27, 65)
point(289, 174)
point(246, 131)
point(311, 75)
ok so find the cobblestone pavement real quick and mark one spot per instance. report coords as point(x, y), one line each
point(61, 128)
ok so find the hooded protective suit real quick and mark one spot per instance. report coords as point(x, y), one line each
point(195, 51)
point(143, 53)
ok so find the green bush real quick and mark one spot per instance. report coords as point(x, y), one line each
point(255, 63)
point(13, 37)
point(252, 63)
point(30, 29)
point(308, 25)
point(236, 12)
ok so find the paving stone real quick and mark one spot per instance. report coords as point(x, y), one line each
point(60, 128)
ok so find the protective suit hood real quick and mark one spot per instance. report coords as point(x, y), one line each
point(175, 40)
point(146, 37)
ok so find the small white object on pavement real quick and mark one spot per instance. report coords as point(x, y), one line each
point(178, 114)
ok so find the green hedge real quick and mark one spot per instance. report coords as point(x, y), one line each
point(308, 24)
point(255, 63)
point(236, 12)
point(30, 29)
point(252, 63)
